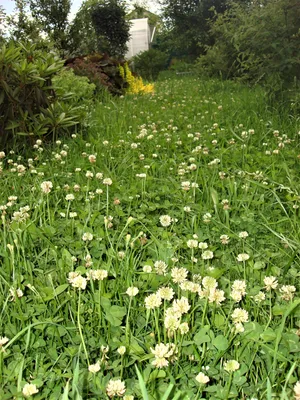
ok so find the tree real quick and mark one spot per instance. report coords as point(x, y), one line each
point(82, 35)
point(21, 25)
point(258, 43)
point(53, 15)
point(2, 24)
point(188, 23)
point(111, 27)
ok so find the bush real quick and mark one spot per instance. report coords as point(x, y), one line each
point(80, 90)
point(135, 83)
point(257, 44)
point(102, 70)
point(149, 63)
point(28, 103)
point(181, 66)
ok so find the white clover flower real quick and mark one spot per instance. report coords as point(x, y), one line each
point(166, 293)
point(243, 235)
point(181, 305)
point(107, 181)
point(97, 274)
point(209, 283)
point(160, 267)
point(187, 209)
point(259, 297)
point(287, 292)
point(202, 378)
point(240, 286)
point(192, 244)
point(297, 391)
point(153, 301)
point(87, 236)
point(29, 389)
point(231, 366)
point(270, 283)
point(79, 282)
point(147, 269)
point(46, 186)
point(202, 245)
point(115, 388)
point(216, 296)
point(236, 295)
point(186, 185)
point(163, 350)
point(179, 275)
point(3, 340)
point(224, 239)
point(207, 255)
point(93, 368)
point(160, 362)
point(207, 217)
point(165, 220)
point(243, 257)
point(239, 315)
point(92, 158)
point(183, 328)
point(132, 291)
point(171, 322)
point(121, 350)
point(89, 174)
point(238, 328)
point(70, 197)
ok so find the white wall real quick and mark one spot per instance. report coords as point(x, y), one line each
point(139, 37)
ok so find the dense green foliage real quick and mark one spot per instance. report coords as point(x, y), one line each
point(53, 17)
point(166, 238)
point(188, 25)
point(149, 63)
point(28, 103)
point(259, 44)
point(82, 38)
point(111, 27)
point(81, 91)
point(102, 70)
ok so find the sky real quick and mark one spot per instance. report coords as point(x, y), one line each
point(9, 6)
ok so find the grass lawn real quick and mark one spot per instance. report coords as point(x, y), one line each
point(156, 256)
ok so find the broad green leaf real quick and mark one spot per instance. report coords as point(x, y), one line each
point(220, 342)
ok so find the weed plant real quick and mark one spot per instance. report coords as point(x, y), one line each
point(158, 257)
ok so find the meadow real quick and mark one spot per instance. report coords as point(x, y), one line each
point(155, 255)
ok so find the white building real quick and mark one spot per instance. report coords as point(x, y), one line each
point(140, 37)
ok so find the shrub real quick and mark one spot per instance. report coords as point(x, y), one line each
point(135, 83)
point(149, 63)
point(102, 70)
point(257, 43)
point(28, 103)
point(80, 90)
point(181, 66)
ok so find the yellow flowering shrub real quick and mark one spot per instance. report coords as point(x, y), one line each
point(135, 84)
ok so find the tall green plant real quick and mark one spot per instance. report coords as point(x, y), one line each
point(53, 15)
point(27, 99)
point(149, 63)
point(111, 27)
point(257, 43)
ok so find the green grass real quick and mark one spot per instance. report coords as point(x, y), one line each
point(240, 180)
